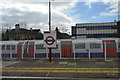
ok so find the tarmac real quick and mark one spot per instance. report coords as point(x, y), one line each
point(60, 69)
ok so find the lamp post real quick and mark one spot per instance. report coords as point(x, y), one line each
point(50, 49)
point(49, 15)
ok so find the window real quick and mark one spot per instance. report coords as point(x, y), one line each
point(118, 45)
point(94, 45)
point(66, 45)
point(31, 46)
point(80, 46)
point(40, 46)
point(3, 47)
point(110, 45)
point(19, 46)
point(74, 31)
point(13, 47)
point(8, 47)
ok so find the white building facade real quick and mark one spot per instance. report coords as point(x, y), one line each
point(95, 30)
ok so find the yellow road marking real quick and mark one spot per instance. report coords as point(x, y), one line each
point(61, 71)
point(69, 70)
point(55, 68)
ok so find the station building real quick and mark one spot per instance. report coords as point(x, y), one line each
point(96, 30)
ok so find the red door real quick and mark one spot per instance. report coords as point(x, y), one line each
point(66, 48)
point(20, 49)
point(110, 47)
point(31, 49)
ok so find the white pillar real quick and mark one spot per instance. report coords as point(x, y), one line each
point(60, 55)
point(60, 51)
point(34, 50)
point(10, 51)
point(22, 50)
point(105, 51)
point(74, 50)
point(89, 53)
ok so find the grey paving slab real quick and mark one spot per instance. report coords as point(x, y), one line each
point(9, 63)
point(92, 65)
point(82, 65)
point(70, 75)
point(107, 64)
point(63, 63)
point(25, 74)
point(94, 75)
point(71, 65)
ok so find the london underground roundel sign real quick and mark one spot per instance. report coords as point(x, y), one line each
point(49, 40)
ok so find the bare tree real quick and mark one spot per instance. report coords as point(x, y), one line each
point(63, 29)
point(6, 27)
point(23, 24)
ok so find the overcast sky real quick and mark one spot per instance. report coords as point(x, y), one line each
point(65, 13)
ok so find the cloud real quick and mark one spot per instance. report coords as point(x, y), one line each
point(90, 2)
point(95, 17)
point(112, 10)
point(113, 4)
point(35, 14)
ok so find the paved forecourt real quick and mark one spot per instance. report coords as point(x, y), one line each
point(80, 68)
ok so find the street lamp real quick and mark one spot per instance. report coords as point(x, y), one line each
point(49, 15)
point(50, 50)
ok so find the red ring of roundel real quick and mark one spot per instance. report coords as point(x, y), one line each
point(47, 41)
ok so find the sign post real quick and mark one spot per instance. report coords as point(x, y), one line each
point(50, 54)
point(50, 42)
